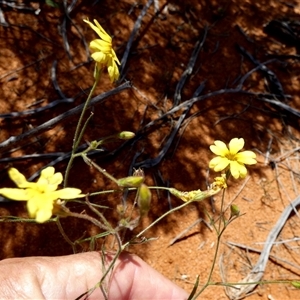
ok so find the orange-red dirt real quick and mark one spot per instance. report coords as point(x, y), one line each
point(31, 43)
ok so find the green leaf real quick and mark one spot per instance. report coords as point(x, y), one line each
point(193, 292)
point(52, 3)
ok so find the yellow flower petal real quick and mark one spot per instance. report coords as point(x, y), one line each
point(246, 157)
point(19, 179)
point(50, 176)
point(99, 57)
point(40, 208)
point(47, 172)
point(237, 170)
point(235, 145)
point(15, 194)
point(106, 37)
point(113, 71)
point(219, 163)
point(43, 215)
point(115, 58)
point(68, 193)
point(219, 148)
point(99, 30)
point(102, 46)
point(56, 179)
point(49, 180)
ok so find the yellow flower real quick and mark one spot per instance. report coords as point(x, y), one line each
point(104, 54)
point(40, 195)
point(198, 195)
point(219, 183)
point(230, 158)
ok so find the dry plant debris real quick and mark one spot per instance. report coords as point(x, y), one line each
point(191, 72)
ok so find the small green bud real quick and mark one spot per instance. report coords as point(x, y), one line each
point(126, 135)
point(296, 284)
point(234, 210)
point(94, 145)
point(123, 223)
point(131, 181)
point(144, 199)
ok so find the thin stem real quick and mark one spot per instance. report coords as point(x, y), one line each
point(219, 232)
point(208, 282)
point(62, 232)
point(76, 140)
point(99, 284)
point(89, 218)
point(104, 172)
point(107, 224)
point(129, 189)
point(78, 132)
point(156, 221)
point(221, 218)
point(83, 129)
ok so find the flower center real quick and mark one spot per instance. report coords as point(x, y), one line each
point(231, 157)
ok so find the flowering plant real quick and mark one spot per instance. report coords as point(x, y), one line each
point(40, 195)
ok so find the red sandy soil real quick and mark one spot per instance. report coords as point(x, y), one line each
point(160, 53)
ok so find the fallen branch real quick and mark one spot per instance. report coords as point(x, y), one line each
point(7, 144)
point(241, 291)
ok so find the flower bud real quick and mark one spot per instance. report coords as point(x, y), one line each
point(126, 135)
point(296, 284)
point(234, 211)
point(94, 145)
point(144, 199)
point(220, 182)
point(123, 223)
point(121, 209)
point(131, 181)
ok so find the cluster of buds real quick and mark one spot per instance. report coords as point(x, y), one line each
point(143, 191)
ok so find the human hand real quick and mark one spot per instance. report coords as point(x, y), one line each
point(67, 277)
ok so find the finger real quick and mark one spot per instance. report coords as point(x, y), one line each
point(67, 277)
point(134, 279)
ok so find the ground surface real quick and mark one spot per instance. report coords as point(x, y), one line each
point(37, 65)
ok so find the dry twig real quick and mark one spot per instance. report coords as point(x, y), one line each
point(240, 291)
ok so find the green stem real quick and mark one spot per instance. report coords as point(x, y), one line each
point(105, 274)
point(212, 266)
point(219, 232)
point(79, 132)
point(89, 218)
point(62, 232)
point(156, 221)
point(98, 213)
point(129, 189)
point(104, 172)
point(221, 218)
point(79, 138)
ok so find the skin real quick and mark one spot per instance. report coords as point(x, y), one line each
point(68, 277)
